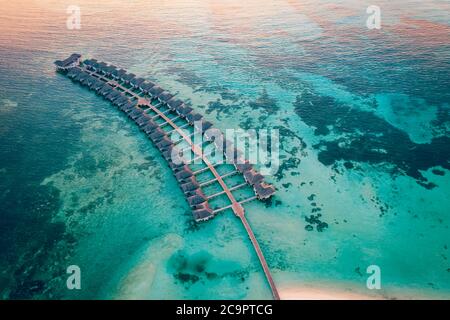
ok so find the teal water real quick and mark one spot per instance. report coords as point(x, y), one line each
point(364, 122)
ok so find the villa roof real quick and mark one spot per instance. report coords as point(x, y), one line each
point(130, 110)
point(169, 147)
point(121, 97)
point(92, 79)
point(173, 103)
point(84, 78)
point(105, 68)
point(203, 214)
point(105, 85)
point(69, 61)
point(242, 167)
point(190, 180)
point(73, 72)
point(184, 174)
point(196, 192)
point(90, 62)
point(124, 76)
point(158, 134)
point(167, 153)
point(204, 125)
point(165, 96)
point(102, 65)
point(101, 86)
point(127, 76)
point(115, 71)
point(136, 113)
point(111, 69)
point(83, 75)
point(156, 90)
point(142, 120)
point(253, 177)
point(181, 167)
point(128, 106)
point(106, 90)
point(204, 205)
point(196, 200)
point(189, 186)
point(148, 129)
point(150, 126)
point(114, 95)
point(146, 85)
point(137, 81)
point(98, 84)
point(263, 190)
point(184, 110)
point(120, 94)
point(192, 117)
point(174, 166)
point(166, 141)
point(111, 95)
point(120, 72)
point(121, 101)
point(179, 107)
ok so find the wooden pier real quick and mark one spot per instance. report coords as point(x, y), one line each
point(161, 115)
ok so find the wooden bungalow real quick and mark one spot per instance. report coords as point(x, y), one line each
point(253, 177)
point(263, 190)
point(203, 215)
point(70, 62)
point(193, 117)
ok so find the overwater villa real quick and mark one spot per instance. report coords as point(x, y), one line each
point(164, 143)
point(123, 89)
point(203, 125)
point(165, 97)
point(263, 190)
point(183, 174)
point(155, 91)
point(193, 117)
point(150, 127)
point(197, 198)
point(158, 134)
point(146, 86)
point(174, 103)
point(202, 215)
point(243, 167)
point(253, 177)
point(69, 63)
point(136, 82)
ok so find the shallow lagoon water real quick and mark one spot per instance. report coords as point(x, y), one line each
point(82, 185)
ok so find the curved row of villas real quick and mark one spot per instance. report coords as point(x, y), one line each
point(97, 76)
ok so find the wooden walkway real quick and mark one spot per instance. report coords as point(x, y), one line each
point(235, 206)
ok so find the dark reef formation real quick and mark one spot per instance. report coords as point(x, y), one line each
point(361, 136)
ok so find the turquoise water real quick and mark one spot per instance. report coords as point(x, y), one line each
point(364, 122)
